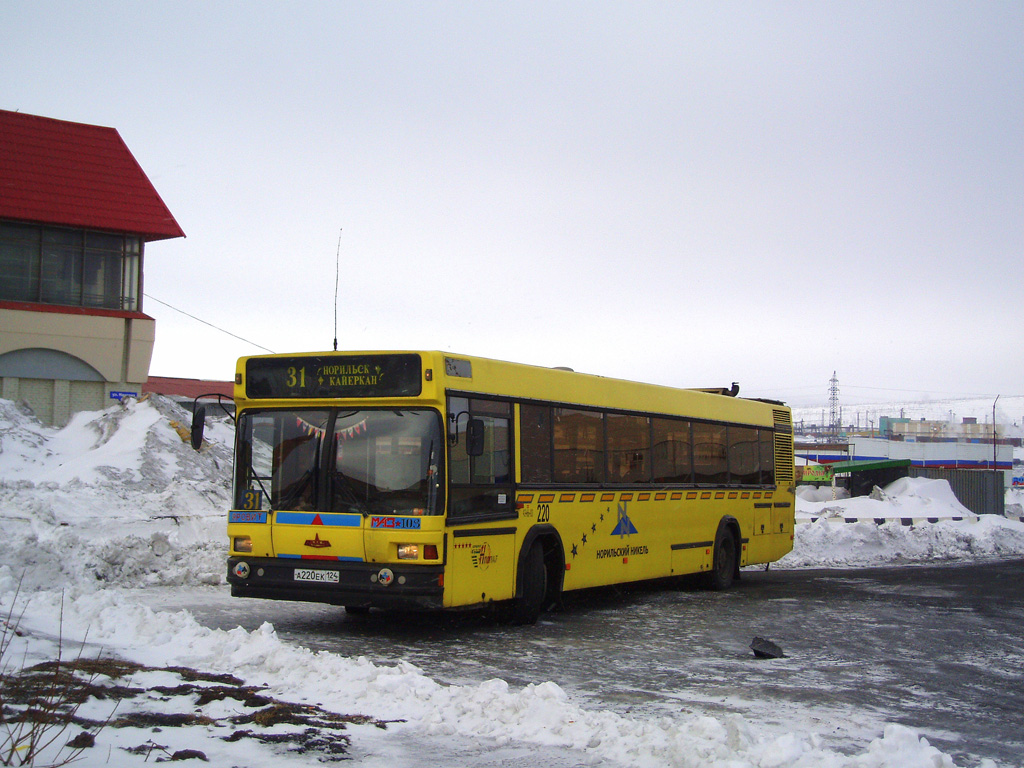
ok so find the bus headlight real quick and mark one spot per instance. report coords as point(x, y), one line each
point(408, 552)
point(241, 544)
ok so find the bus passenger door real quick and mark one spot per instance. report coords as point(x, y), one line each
point(481, 507)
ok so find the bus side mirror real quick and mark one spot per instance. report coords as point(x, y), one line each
point(475, 437)
point(198, 425)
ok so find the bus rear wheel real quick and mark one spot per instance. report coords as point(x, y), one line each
point(723, 566)
point(534, 580)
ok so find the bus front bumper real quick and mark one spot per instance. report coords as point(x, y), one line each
point(363, 585)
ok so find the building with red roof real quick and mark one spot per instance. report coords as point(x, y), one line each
point(76, 211)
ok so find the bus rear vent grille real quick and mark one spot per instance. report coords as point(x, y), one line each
point(783, 446)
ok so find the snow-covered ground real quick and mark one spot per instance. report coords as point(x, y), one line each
point(117, 502)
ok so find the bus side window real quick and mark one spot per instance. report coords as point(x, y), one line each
point(767, 441)
point(481, 484)
point(710, 453)
point(578, 444)
point(744, 455)
point(458, 456)
point(629, 448)
point(535, 443)
point(673, 457)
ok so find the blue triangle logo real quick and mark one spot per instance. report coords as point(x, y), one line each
point(624, 527)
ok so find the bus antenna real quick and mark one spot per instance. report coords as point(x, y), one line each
point(337, 269)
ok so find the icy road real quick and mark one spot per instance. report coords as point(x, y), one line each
point(936, 648)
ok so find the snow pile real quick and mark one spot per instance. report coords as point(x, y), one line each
point(116, 496)
point(814, 493)
point(1015, 500)
point(824, 543)
point(118, 500)
point(906, 498)
point(912, 520)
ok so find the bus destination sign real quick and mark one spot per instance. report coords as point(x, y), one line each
point(334, 376)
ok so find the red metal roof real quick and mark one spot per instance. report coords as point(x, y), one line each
point(77, 175)
point(191, 388)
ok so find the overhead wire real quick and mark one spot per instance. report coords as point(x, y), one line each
point(204, 322)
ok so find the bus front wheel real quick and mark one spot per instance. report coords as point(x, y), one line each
point(723, 566)
point(534, 581)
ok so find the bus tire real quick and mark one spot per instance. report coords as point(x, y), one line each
point(533, 578)
point(723, 563)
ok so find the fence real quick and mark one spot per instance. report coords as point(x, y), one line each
point(980, 490)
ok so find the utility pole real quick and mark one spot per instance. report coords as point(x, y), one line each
point(994, 434)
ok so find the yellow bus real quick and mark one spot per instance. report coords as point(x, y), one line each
point(433, 480)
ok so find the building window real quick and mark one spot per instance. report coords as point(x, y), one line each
point(69, 267)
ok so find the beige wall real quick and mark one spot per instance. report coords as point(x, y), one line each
point(119, 349)
point(98, 341)
point(55, 401)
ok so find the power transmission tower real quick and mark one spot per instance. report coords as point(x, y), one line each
point(833, 404)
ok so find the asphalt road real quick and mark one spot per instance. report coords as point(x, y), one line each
point(938, 648)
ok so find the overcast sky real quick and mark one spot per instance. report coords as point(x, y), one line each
point(684, 193)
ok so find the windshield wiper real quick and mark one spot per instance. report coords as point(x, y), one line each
point(295, 491)
point(350, 494)
point(431, 481)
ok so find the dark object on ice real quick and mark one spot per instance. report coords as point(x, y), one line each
point(765, 649)
point(84, 740)
point(186, 754)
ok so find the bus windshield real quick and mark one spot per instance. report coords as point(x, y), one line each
point(381, 462)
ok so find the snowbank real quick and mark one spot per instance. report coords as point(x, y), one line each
point(912, 520)
point(115, 497)
point(829, 544)
point(907, 498)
